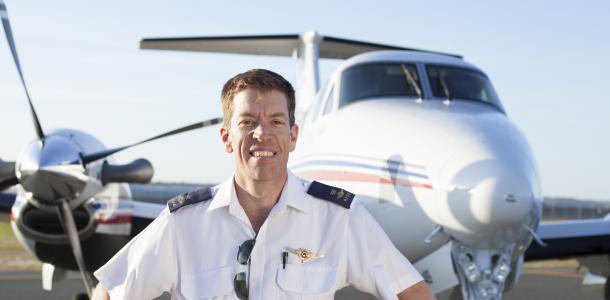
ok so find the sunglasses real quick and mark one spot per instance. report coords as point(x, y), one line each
point(240, 282)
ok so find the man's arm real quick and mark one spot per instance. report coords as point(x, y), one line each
point(418, 291)
point(100, 293)
point(135, 271)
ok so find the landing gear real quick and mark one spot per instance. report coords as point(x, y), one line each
point(482, 272)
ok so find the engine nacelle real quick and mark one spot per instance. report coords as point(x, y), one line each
point(45, 227)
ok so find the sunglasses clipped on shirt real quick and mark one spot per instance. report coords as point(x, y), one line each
point(240, 282)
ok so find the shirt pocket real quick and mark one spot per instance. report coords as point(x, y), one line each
point(207, 284)
point(306, 279)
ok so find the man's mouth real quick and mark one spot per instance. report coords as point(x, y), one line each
point(262, 153)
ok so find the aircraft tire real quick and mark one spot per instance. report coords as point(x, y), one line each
point(81, 296)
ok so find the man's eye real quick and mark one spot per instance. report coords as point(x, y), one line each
point(246, 122)
point(278, 122)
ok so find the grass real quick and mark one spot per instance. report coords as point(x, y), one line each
point(13, 257)
point(5, 230)
point(7, 238)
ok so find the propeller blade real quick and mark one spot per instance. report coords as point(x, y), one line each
point(102, 154)
point(67, 221)
point(7, 169)
point(7, 183)
point(11, 42)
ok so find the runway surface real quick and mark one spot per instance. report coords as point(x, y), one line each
point(556, 280)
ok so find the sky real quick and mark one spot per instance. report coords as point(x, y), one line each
point(548, 61)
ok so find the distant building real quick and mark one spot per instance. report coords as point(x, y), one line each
point(569, 208)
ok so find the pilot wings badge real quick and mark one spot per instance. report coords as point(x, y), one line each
point(305, 254)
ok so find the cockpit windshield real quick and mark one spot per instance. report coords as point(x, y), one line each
point(379, 80)
point(460, 83)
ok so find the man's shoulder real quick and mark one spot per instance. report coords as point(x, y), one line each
point(335, 195)
point(190, 198)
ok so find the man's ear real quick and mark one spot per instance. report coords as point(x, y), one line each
point(224, 136)
point(294, 135)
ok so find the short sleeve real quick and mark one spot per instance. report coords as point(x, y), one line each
point(374, 264)
point(146, 266)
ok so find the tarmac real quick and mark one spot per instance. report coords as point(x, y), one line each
point(556, 279)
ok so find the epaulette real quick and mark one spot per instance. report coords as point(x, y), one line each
point(330, 193)
point(193, 197)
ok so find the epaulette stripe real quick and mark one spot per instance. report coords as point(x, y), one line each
point(193, 197)
point(330, 193)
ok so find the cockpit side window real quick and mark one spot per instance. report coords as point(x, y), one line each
point(313, 111)
point(328, 107)
point(374, 80)
point(450, 82)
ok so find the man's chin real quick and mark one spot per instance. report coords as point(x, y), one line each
point(268, 175)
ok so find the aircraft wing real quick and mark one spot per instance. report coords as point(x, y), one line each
point(275, 45)
point(6, 201)
point(151, 198)
point(571, 239)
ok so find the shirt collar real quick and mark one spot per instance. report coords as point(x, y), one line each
point(223, 194)
point(293, 195)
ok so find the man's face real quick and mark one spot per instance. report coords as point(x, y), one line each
point(260, 135)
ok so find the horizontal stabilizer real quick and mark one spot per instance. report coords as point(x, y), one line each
point(274, 45)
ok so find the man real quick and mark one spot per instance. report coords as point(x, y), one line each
point(263, 234)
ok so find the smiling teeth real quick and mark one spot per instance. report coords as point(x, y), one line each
point(263, 153)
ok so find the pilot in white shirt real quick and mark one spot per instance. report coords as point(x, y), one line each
point(192, 251)
point(264, 233)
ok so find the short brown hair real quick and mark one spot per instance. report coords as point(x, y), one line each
point(260, 80)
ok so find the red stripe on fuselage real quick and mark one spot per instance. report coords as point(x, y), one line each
point(359, 177)
point(117, 220)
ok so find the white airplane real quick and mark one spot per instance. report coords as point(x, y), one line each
point(421, 136)
point(423, 139)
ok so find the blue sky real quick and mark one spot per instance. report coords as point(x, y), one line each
point(548, 61)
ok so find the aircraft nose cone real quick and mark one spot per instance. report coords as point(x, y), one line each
point(501, 198)
point(51, 170)
point(489, 198)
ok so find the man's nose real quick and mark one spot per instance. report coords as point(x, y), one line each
point(261, 132)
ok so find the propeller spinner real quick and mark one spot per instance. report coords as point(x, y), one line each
point(51, 170)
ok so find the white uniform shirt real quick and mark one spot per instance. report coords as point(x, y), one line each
point(192, 252)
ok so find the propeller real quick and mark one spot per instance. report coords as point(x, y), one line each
point(51, 177)
point(7, 183)
point(64, 212)
point(11, 42)
point(105, 153)
point(67, 222)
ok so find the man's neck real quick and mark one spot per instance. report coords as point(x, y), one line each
point(258, 198)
